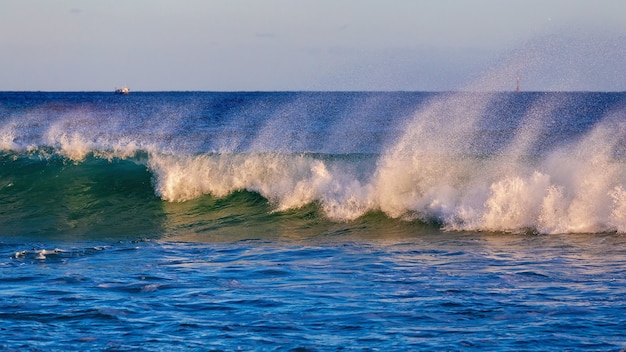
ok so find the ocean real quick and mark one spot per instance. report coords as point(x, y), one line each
point(312, 221)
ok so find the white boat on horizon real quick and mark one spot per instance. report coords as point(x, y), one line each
point(123, 90)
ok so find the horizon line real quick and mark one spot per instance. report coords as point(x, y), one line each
point(317, 91)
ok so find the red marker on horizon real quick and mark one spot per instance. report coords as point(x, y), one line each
point(517, 87)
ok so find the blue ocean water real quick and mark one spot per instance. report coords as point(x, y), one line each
point(312, 221)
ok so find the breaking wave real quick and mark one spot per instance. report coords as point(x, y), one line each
point(464, 161)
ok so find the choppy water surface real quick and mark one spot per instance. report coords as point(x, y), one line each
point(429, 290)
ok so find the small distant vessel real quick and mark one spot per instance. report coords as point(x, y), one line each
point(123, 90)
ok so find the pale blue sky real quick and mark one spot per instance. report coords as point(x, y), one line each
point(238, 45)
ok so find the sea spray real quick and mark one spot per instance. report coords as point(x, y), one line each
point(515, 162)
point(572, 188)
point(436, 172)
point(425, 171)
point(529, 185)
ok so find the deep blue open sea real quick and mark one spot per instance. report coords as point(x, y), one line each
point(312, 221)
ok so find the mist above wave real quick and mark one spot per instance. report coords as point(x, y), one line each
point(544, 162)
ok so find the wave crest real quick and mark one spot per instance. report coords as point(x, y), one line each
point(469, 161)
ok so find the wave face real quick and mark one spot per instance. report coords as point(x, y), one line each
point(85, 163)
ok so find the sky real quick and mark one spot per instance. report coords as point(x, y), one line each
point(280, 45)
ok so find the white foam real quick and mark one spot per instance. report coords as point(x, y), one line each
point(7, 137)
point(578, 188)
point(428, 174)
point(287, 181)
point(70, 144)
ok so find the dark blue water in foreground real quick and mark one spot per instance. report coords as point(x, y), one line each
point(312, 221)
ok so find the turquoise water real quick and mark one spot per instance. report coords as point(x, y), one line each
point(312, 221)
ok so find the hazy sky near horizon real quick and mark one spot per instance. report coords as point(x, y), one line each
point(235, 45)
